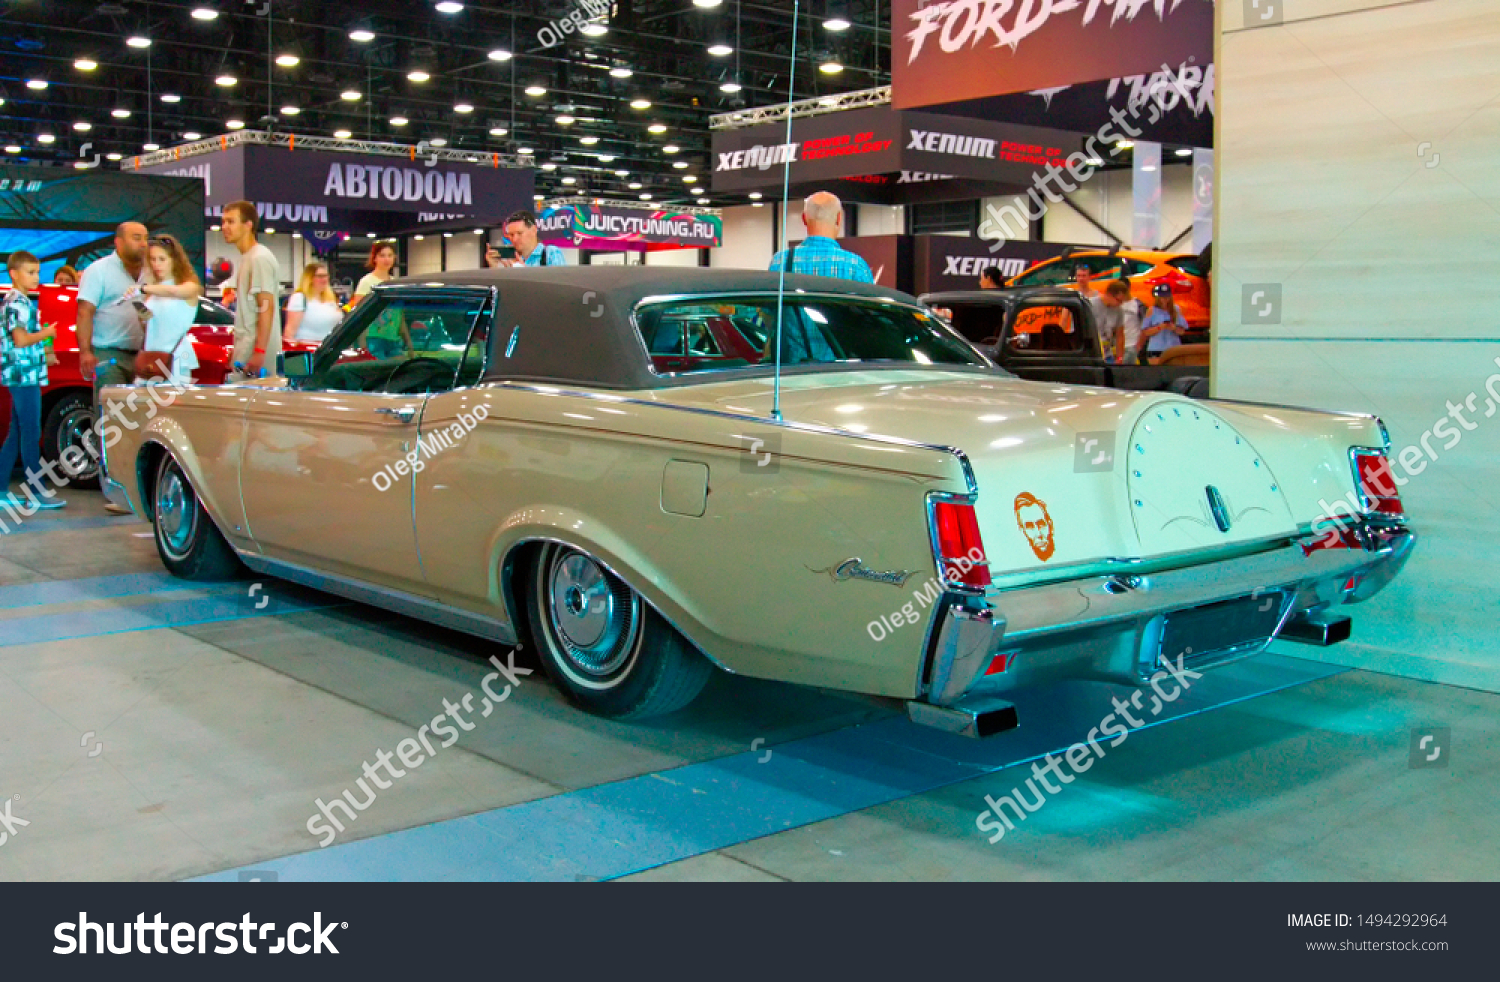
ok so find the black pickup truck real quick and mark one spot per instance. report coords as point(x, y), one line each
point(1049, 335)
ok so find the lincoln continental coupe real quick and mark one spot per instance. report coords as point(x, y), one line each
point(607, 464)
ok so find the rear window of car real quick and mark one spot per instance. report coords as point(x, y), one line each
point(1190, 266)
point(705, 334)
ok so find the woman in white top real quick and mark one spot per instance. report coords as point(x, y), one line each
point(313, 311)
point(381, 263)
point(172, 305)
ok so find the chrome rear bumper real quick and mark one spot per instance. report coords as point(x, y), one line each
point(1104, 628)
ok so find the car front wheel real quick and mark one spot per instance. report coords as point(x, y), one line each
point(603, 645)
point(190, 545)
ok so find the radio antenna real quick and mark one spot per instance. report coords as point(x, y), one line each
point(786, 182)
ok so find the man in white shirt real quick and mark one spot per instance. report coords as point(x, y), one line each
point(109, 326)
point(1119, 317)
point(257, 313)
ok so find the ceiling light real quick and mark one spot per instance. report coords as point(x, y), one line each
point(120, 113)
point(37, 84)
point(730, 87)
point(588, 141)
point(138, 42)
point(622, 173)
point(830, 68)
point(720, 50)
point(114, 156)
point(525, 151)
point(835, 24)
point(828, 100)
point(342, 135)
point(418, 76)
point(83, 127)
point(82, 165)
point(151, 147)
point(570, 180)
point(290, 110)
point(706, 4)
point(46, 138)
point(420, 238)
point(479, 231)
point(226, 81)
point(1094, 162)
point(757, 204)
point(235, 124)
point(670, 148)
point(536, 197)
point(192, 135)
point(606, 158)
point(12, 149)
point(620, 71)
point(1184, 151)
point(437, 141)
point(593, 29)
point(205, 13)
point(535, 90)
point(171, 98)
point(565, 120)
point(635, 185)
point(679, 164)
point(350, 95)
point(646, 196)
point(755, 195)
point(549, 166)
point(288, 61)
point(399, 121)
point(1148, 168)
point(446, 235)
point(464, 107)
point(498, 131)
point(1124, 144)
point(634, 103)
point(702, 201)
point(500, 54)
point(362, 36)
point(449, 7)
point(690, 178)
point(85, 64)
point(656, 128)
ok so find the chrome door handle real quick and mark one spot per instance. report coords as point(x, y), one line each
point(404, 414)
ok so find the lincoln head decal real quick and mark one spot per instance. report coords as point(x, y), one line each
point(1036, 522)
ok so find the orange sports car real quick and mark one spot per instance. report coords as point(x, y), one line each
point(1143, 268)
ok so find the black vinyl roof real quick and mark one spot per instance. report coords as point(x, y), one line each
point(572, 324)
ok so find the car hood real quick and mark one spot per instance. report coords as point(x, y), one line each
point(1066, 474)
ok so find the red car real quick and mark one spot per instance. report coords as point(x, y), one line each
point(68, 400)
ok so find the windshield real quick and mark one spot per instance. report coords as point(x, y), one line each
point(705, 334)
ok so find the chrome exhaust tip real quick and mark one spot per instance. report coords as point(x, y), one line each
point(976, 717)
point(1321, 629)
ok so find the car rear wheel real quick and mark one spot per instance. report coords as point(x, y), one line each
point(190, 545)
point(603, 645)
point(70, 423)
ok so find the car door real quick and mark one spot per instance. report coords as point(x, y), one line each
point(327, 465)
point(1051, 339)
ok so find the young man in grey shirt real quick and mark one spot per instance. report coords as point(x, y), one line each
point(257, 314)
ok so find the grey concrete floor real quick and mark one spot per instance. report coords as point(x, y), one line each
point(213, 740)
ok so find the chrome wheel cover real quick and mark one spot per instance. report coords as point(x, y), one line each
point(176, 513)
point(595, 619)
point(77, 430)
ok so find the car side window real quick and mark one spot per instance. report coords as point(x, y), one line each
point(1042, 327)
point(405, 343)
point(1190, 266)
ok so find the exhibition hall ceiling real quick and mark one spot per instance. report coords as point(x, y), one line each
point(610, 98)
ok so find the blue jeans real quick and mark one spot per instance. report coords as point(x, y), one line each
point(25, 435)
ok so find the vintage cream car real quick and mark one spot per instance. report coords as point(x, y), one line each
point(594, 460)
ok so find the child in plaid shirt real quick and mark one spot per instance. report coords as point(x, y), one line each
point(23, 370)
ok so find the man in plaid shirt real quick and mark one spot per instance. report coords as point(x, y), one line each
point(819, 254)
point(23, 370)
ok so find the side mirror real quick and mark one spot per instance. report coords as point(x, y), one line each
point(297, 364)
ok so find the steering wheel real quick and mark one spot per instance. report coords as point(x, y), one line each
point(406, 365)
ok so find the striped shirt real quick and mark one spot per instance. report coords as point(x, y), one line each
point(819, 255)
point(21, 366)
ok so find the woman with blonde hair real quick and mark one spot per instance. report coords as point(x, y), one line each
point(313, 311)
point(172, 291)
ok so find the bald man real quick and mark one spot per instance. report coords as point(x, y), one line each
point(820, 254)
point(109, 327)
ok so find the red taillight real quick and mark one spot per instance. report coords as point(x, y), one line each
point(960, 550)
point(1372, 470)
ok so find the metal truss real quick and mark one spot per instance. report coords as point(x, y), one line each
point(638, 205)
point(294, 141)
point(880, 96)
